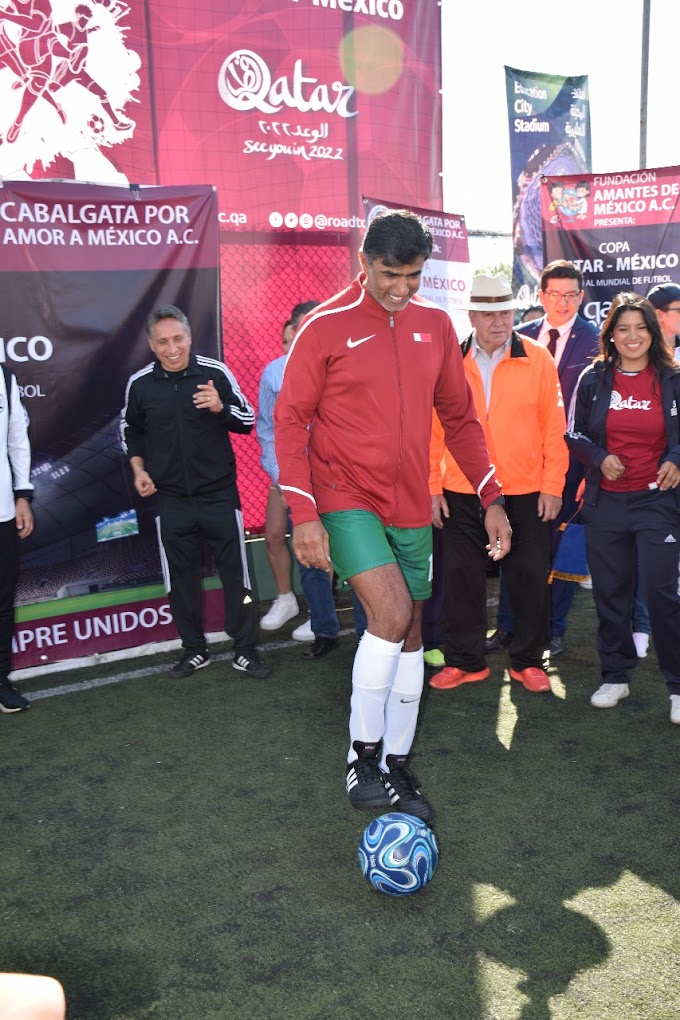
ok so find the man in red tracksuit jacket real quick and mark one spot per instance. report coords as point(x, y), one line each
point(352, 432)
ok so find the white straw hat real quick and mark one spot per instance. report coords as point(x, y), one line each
point(491, 294)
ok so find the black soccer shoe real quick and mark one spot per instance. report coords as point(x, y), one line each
point(11, 700)
point(365, 787)
point(402, 787)
point(189, 663)
point(251, 665)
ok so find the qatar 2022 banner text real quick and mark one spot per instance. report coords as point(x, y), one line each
point(289, 108)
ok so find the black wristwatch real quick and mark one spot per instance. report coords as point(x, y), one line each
point(498, 501)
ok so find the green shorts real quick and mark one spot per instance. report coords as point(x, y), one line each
point(360, 541)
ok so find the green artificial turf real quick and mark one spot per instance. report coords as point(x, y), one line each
point(184, 850)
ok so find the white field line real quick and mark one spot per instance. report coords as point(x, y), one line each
point(137, 674)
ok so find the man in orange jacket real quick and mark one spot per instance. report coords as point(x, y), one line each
point(518, 399)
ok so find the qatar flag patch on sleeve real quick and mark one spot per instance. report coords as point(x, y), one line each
point(422, 338)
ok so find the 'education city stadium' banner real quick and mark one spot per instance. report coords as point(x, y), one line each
point(549, 123)
point(621, 229)
point(82, 266)
point(447, 275)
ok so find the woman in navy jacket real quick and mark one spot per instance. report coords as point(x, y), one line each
point(623, 425)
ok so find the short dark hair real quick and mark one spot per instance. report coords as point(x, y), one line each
point(398, 237)
point(166, 312)
point(561, 269)
point(529, 314)
point(629, 301)
point(300, 311)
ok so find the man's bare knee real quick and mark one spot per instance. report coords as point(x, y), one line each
point(393, 619)
point(388, 605)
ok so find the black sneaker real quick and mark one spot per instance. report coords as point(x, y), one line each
point(402, 787)
point(365, 786)
point(189, 663)
point(11, 700)
point(251, 664)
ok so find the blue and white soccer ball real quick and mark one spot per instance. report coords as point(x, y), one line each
point(398, 854)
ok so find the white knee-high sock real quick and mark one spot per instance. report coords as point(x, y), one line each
point(375, 666)
point(403, 702)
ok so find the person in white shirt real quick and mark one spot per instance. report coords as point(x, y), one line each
point(16, 522)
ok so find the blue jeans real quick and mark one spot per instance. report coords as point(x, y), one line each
point(316, 585)
point(641, 624)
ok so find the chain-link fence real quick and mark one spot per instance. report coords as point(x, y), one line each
point(261, 282)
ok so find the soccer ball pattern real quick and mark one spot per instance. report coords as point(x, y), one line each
point(96, 125)
point(398, 854)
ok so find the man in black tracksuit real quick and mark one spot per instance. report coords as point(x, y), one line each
point(179, 411)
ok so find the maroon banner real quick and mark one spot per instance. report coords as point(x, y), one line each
point(82, 266)
point(88, 632)
point(621, 229)
point(51, 227)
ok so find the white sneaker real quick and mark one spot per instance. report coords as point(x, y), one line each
point(609, 695)
point(304, 632)
point(675, 709)
point(641, 644)
point(282, 609)
point(587, 584)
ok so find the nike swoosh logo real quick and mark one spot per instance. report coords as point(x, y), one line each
point(409, 701)
point(355, 343)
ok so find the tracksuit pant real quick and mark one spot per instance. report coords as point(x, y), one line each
point(9, 569)
point(525, 570)
point(561, 592)
point(186, 523)
point(618, 527)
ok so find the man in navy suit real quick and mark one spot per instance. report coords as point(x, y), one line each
point(573, 343)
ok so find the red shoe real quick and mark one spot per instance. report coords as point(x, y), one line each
point(533, 678)
point(451, 677)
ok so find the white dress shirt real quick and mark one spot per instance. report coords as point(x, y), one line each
point(564, 331)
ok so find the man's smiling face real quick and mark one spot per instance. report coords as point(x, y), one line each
point(171, 343)
point(391, 286)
